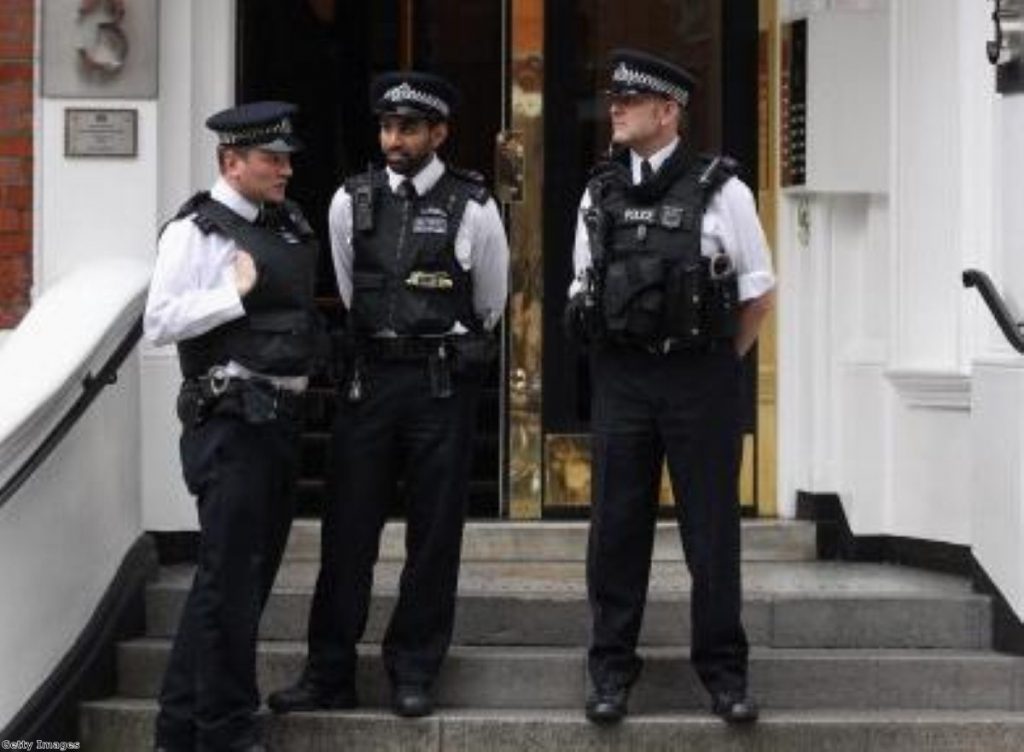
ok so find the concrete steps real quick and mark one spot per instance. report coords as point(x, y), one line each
point(846, 657)
point(124, 724)
point(553, 678)
point(796, 604)
point(763, 540)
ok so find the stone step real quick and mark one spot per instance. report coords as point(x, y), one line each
point(120, 724)
point(763, 540)
point(510, 678)
point(801, 604)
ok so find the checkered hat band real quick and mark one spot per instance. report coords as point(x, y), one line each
point(257, 134)
point(632, 77)
point(405, 93)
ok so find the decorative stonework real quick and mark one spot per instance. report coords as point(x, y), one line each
point(948, 390)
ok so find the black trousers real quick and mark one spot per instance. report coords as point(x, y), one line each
point(243, 477)
point(646, 408)
point(398, 433)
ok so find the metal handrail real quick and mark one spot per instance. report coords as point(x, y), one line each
point(92, 385)
point(1013, 330)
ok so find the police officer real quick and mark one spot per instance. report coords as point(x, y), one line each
point(233, 289)
point(421, 262)
point(673, 280)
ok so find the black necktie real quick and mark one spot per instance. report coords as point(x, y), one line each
point(646, 171)
point(406, 189)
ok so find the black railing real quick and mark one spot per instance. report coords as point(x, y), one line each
point(1011, 328)
point(92, 385)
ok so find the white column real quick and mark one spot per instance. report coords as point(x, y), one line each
point(197, 75)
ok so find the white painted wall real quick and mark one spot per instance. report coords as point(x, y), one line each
point(93, 207)
point(897, 390)
point(998, 374)
point(88, 208)
point(870, 300)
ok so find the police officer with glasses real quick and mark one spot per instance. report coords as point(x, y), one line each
point(421, 261)
point(233, 289)
point(673, 280)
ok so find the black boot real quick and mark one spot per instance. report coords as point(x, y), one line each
point(607, 705)
point(305, 695)
point(411, 700)
point(734, 707)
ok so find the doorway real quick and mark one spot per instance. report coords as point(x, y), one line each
point(322, 55)
point(534, 69)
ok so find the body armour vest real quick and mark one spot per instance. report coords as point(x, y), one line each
point(278, 334)
point(653, 281)
point(405, 276)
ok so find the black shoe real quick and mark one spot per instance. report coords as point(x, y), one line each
point(734, 707)
point(411, 700)
point(607, 705)
point(305, 696)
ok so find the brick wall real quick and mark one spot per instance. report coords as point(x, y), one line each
point(17, 33)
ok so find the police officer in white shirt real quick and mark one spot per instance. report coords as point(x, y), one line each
point(421, 261)
point(673, 279)
point(233, 290)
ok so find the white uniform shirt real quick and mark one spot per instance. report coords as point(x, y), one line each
point(193, 287)
point(480, 245)
point(730, 224)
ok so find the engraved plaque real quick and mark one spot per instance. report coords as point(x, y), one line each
point(101, 133)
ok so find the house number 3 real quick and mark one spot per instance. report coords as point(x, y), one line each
point(103, 45)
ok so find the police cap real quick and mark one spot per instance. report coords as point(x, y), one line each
point(636, 72)
point(263, 125)
point(413, 94)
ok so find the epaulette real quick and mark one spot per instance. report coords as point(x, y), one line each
point(477, 183)
point(368, 177)
point(191, 206)
point(715, 170)
point(604, 173)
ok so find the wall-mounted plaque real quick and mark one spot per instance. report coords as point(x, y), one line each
point(100, 48)
point(101, 133)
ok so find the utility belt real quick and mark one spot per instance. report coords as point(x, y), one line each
point(445, 356)
point(254, 400)
point(666, 307)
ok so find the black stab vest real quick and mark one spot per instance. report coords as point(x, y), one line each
point(405, 276)
point(278, 334)
point(646, 245)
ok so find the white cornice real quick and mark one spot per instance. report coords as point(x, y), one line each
point(944, 390)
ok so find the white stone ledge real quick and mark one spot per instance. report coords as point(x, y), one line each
point(935, 389)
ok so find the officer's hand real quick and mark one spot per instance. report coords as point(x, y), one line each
point(245, 272)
